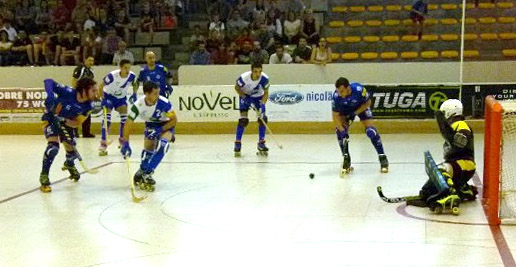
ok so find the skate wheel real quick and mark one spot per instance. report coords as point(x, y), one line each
point(45, 189)
point(149, 188)
point(455, 210)
point(438, 210)
point(384, 170)
point(103, 153)
point(238, 154)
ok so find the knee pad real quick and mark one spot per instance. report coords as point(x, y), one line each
point(162, 146)
point(372, 133)
point(52, 150)
point(264, 119)
point(243, 122)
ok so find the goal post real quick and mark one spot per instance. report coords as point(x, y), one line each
point(499, 181)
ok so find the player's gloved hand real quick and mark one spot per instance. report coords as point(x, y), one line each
point(262, 110)
point(169, 90)
point(153, 133)
point(132, 99)
point(125, 149)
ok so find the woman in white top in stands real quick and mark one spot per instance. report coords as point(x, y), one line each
point(322, 53)
point(292, 28)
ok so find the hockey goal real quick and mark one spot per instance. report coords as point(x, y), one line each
point(499, 191)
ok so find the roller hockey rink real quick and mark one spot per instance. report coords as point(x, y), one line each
point(212, 209)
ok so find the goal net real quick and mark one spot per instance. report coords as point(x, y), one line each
point(500, 161)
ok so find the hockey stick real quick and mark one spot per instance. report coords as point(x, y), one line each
point(129, 174)
point(268, 129)
point(65, 133)
point(104, 125)
point(394, 199)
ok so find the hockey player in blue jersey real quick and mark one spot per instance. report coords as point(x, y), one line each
point(160, 118)
point(66, 109)
point(113, 89)
point(253, 90)
point(350, 100)
point(156, 73)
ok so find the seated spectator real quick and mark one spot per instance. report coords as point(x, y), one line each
point(217, 25)
point(11, 32)
point(292, 28)
point(222, 56)
point(280, 57)
point(321, 54)
point(90, 23)
point(233, 48)
point(59, 16)
point(109, 46)
point(266, 38)
point(123, 25)
point(258, 55)
point(42, 19)
point(40, 45)
point(303, 52)
point(310, 28)
point(200, 56)
point(243, 37)
point(122, 53)
point(273, 23)
point(22, 51)
point(147, 20)
point(213, 41)
point(5, 48)
point(259, 9)
point(103, 23)
point(70, 48)
point(91, 43)
point(293, 5)
point(245, 9)
point(417, 14)
point(221, 8)
point(236, 24)
point(196, 37)
point(243, 55)
point(25, 15)
point(169, 19)
point(79, 15)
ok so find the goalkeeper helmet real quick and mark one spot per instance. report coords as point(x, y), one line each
point(451, 107)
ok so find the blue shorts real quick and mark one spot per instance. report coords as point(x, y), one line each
point(111, 102)
point(246, 102)
point(365, 115)
point(151, 125)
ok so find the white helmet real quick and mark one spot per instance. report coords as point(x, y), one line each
point(451, 107)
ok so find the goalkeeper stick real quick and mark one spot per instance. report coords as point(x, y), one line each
point(268, 129)
point(129, 174)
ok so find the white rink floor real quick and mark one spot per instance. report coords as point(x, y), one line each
point(211, 209)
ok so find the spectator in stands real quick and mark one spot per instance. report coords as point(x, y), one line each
point(11, 32)
point(70, 48)
point(25, 15)
point(292, 28)
point(274, 25)
point(243, 37)
point(303, 52)
point(220, 8)
point(122, 53)
point(79, 15)
point(90, 23)
point(109, 46)
point(5, 13)
point(266, 38)
point(321, 54)
point(236, 24)
point(147, 20)
point(245, 9)
point(103, 23)
point(169, 18)
point(91, 43)
point(213, 41)
point(200, 56)
point(40, 45)
point(123, 25)
point(216, 25)
point(259, 9)
point(5, 48)
point(59, 16)
point(42, 19)
point(273, 10)
point(222, 56)
point(310, 28)
point(417, 14)
point(196, 37)
point(258, 55)
point(294, 5)
point(233, 48)
point(22, 50)
point(243, 55)
point(280, 57)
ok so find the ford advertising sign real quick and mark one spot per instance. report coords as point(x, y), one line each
point(285, 97)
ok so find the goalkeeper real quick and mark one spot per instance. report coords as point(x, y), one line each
point(459, 162)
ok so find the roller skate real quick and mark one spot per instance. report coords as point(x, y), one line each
point(384, 163)
point(103, 148)
point(144, 181)
point(45, 183)
point(346, 165)
point(237, 149)
point(448, 204)
point(263, 150)
point(468, 193)
point(74, 173)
